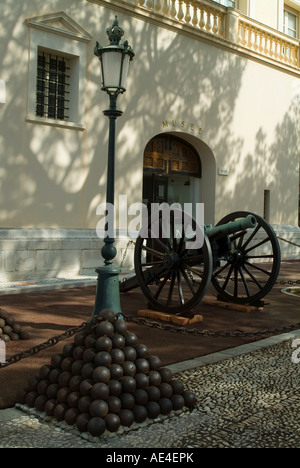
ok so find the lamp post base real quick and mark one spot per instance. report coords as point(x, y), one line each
point(108, 293)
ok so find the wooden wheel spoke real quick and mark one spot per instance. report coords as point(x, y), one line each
point(253, 277)
point(187, 280)
point(253, 265)
point(264, 241)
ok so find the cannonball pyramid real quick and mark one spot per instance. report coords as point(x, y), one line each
point(10, 330)
point(105, 379)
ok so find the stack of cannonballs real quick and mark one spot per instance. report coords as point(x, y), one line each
point(10, 330)
point(105, 379)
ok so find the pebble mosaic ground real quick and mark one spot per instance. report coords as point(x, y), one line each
point(252, 400)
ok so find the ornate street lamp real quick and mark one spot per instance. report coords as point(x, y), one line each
point(114, 59)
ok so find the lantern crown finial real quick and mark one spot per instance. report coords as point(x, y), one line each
point(115, 32)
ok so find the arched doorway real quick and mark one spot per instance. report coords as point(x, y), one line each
point(172, 170)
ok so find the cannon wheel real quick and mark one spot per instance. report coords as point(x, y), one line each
point(249, 271)
point(172, 278)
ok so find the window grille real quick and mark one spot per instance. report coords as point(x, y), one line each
point(53, 86)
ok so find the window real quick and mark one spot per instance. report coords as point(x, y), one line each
point(290, 23)
point(57, 71)
point(52, 86)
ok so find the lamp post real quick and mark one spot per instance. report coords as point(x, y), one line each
point(114, 59)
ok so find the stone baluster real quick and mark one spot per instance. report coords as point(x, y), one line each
point(195, 18)
point(209, 22)
point(166, 7)
point(187, 17)
point(180, 14)
point(157, 5)
point(149, 4)
point(202, 19)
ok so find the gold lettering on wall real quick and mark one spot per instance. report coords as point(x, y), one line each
point(192, 127)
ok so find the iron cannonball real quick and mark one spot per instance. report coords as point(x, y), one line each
point(153, 393)
point(5, 338)
point(131, 339)
point(2, 323)
point(129, 368)
point(166, 390)
point(189, 399)
point(112, 422)
point(103, 358)
point(107, 314)
point(56, 360)
point(90, 341)
point(127, 401)
point(120, 327)
point(84, 403)
point(116, 371)
point(64, 378)
point(126, 417)
point(140, 413)
point(129, 353)
point(82, 421)
point(115, 387)
point(60, 411)
point(40, 402)
point(154, 378)
point(78, 352)
point(3, 314)
point(128, 384)
point(177, 386)
point(68, 349)
point(100, 391)
point(54, 375)
point(63, 394)
point(44, 371)
point(75, 382)
point(118, 341)
point(166, 374)
point(103, 343)
point(24, 335)
point(142, 381)
point(142, 351)
point(89, 355)
point(71, 416)
point(153, 409)
point(105, 328)
point(14, 336)
point(73, 399)
point(66, 363)
point(77, 367)
point(86, 387)
point(165, 405)
point(7, 330)
point(177, 402)
point(140, 396)
point(101, 374)
point(17, 328)
point(98, 408)
point(79, 338)
point(114, 404)
point(96, 426)
point(87, 370)
point(117, 355)
point(30, 398)
point(154, 362)
point(10, 320)
point(142, 365)
point(42, 386)
point(50, 407)
point(52, 391)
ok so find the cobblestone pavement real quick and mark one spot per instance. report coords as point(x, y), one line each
point(251, 400)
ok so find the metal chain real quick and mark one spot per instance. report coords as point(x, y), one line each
point(50, 342)
point(213, 333)
point(289, 242)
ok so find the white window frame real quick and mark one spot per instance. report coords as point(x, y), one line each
point(290, 11)
point(58, 33)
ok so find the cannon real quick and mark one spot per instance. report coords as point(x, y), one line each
point(240, 257)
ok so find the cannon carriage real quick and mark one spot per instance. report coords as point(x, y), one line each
point(240, 257)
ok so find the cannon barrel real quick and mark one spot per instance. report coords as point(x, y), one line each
point(224, 230)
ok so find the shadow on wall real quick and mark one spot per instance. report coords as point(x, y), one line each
point(52, 177)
